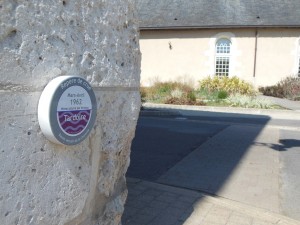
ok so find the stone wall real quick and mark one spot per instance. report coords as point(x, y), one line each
point(48, 184)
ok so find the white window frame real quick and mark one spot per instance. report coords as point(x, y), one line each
point(223, 50)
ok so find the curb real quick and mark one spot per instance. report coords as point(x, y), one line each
point(158, 111)
point(152, 109)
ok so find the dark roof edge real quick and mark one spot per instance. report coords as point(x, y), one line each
point(217, 27)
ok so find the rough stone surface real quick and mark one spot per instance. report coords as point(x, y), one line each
point(45, 183)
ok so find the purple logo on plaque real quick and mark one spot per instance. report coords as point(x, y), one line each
point(67, 110)
point(73, 122)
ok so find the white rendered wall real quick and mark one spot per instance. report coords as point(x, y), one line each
point(190, 54)
point(44, 183)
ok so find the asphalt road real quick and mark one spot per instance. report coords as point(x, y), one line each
point(160, 143)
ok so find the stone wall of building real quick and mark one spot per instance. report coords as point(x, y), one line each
point(49, 184)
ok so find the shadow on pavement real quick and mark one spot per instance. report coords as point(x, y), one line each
point(161, 143)
point(166, 150)
point(289, 143)
point(285, 144)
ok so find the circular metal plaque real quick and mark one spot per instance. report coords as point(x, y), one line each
point(67, 110)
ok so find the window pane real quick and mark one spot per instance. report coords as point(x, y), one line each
point(222, 59)
point(222, 66)
point(223, 46)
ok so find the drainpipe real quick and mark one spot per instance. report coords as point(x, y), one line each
point(255, 53)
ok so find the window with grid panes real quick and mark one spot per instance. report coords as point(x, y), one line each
point(222, 59)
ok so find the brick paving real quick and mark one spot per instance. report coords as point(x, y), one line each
point(244, 169)
point(156, 204)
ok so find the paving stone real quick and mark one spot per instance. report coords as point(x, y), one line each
point(159, 205)
point(154, 192)
point(164, 220)
point(137, 204)
point(181, 205)
point(141, 219)
point(239, 219)
point(210, 223)
point(146, 198)
point(259, 222)
point(133, 192)
point(221, 211)
point(215, 218)
point(167, 198)
point(152, 210)
point(187, 199)
point(174, 212)
point(233, 168)
point(245, 170)
point(129, 211)
point(186, 215)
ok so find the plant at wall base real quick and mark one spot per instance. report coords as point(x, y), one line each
point(177, 93)
point(143, 94)
point(287, 88)
point(222, 94)
point(211, 98)
point(275, 91)
point(191, 96)
point(179, 97)
point(291, 87)
point(216, 89)
point(188, 98)
point(160, 92)
point(183, 94)
point(231, 85)
point(246, 101)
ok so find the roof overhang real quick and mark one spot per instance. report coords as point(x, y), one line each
point(216, 27)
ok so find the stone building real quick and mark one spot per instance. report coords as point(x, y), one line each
point(41, 182)
point(258, 41)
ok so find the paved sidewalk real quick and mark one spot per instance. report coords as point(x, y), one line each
point(292, 105)
point(247, 170)
point(156, 204)
point(244, 168)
